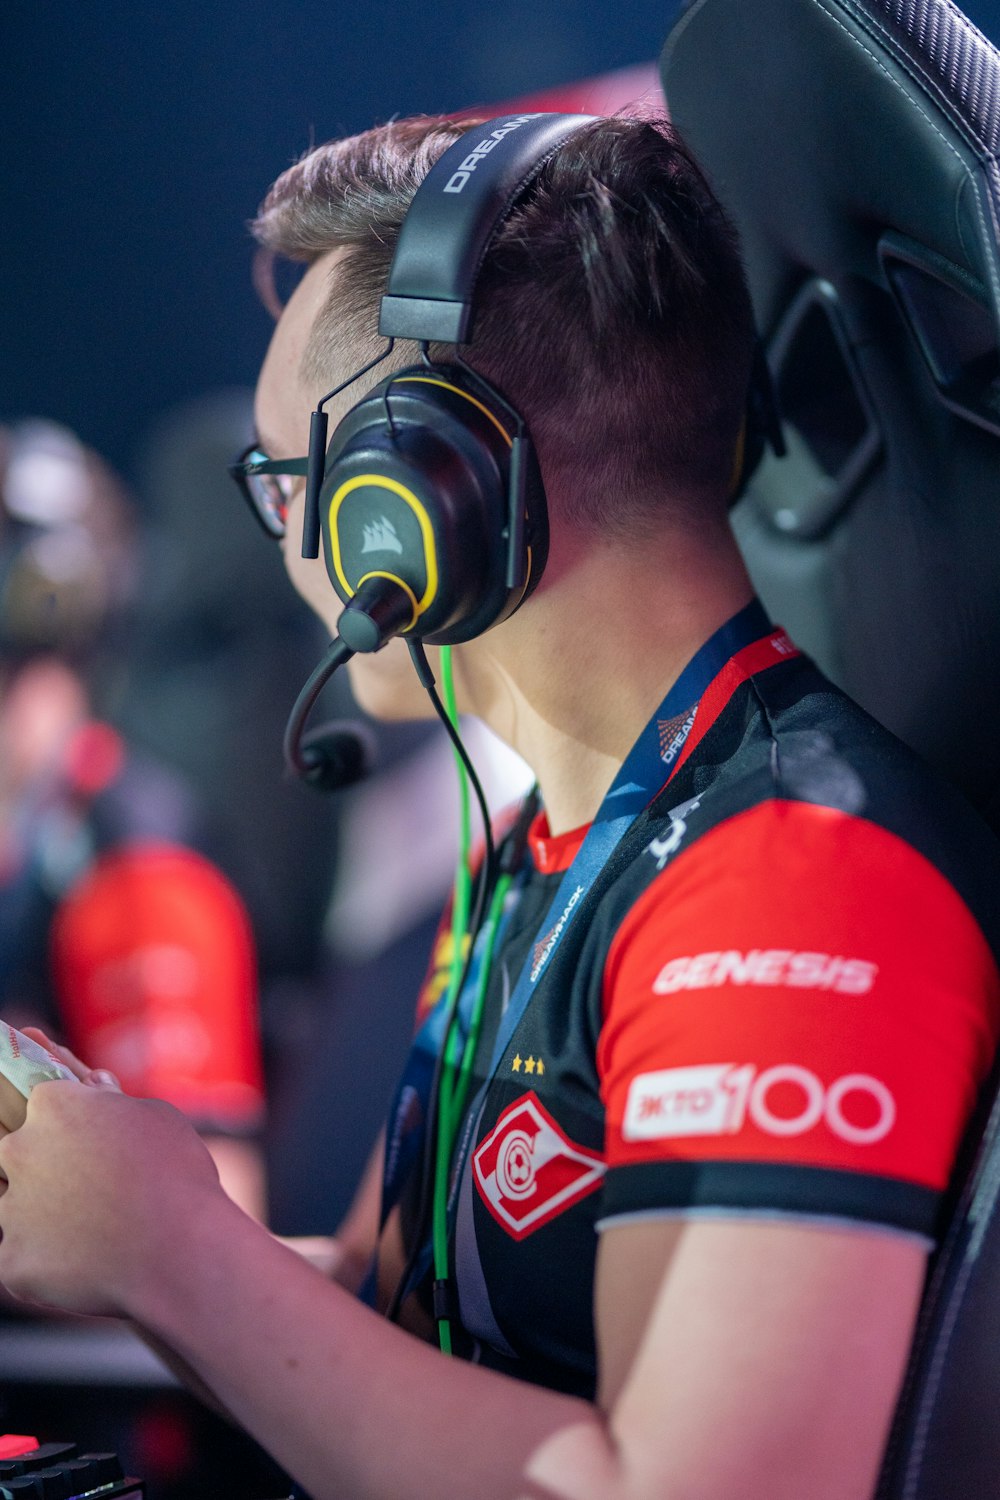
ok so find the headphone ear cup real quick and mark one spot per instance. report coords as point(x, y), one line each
point(417, 492)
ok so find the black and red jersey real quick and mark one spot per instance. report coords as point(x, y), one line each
point(116, 934)
point(779, 998)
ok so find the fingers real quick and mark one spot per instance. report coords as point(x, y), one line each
point(99, 1078)
point(4, 1135)
point(61, 1053)
point(12, 1105)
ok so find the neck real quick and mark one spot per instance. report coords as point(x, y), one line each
point(571, 680)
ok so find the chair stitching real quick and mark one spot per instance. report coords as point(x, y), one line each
point(915, 104)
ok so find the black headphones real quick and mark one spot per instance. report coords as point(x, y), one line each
point(429, 500)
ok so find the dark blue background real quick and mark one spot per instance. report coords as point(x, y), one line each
point(141, 137)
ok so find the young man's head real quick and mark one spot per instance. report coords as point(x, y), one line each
point(611, 309)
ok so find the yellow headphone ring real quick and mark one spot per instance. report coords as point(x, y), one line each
point(382, 481)
point(380, 573)
point(445, 386)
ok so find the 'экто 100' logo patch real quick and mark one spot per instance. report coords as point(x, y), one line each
point(785, 1100)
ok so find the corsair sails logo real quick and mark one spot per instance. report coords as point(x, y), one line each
point(380, 536)
point(527, 1170)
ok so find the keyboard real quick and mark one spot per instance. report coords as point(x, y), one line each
point(59, 1471)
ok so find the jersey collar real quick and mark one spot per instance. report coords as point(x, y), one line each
point(746, 644)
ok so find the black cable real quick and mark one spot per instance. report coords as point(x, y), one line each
point(510, 856)
point(298, 760)
point(423, 668)
point(484, 885)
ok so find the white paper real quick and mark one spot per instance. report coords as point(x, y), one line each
point(24, 1063)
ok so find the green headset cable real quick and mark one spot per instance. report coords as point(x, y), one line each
point(453, 1074)
point(456, 1072)
point(454, 1091)
point(462, 898)
point(462, 946)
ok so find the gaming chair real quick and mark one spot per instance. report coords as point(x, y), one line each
point(854, 142)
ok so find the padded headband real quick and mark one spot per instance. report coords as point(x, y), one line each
point(453, 217)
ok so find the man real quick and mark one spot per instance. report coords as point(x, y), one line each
point(114, 930)
point(748, 1063)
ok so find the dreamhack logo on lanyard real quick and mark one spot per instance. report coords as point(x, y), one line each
point(545, 949)
point(673, 734)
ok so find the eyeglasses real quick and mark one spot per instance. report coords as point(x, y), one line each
point(265, 484)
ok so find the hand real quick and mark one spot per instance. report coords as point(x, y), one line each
point(100, 1186)
point(98, 1077)
point(12, 1107)
point(13, 1103)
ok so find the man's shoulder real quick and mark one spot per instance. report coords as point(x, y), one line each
point(828, 751)
point(791, 741)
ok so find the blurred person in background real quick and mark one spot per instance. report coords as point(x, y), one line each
point(215, 658)
point(116, 932)
point(343, 914)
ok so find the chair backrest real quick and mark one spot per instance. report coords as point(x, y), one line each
point(855, 144)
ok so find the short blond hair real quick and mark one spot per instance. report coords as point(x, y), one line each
point(611, 310)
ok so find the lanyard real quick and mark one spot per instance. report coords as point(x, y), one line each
point(659, 748)
point(632, 790)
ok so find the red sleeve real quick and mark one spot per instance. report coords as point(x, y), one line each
point(799, 990)
point(155, 971)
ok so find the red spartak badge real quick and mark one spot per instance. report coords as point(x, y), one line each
point(527, 1170)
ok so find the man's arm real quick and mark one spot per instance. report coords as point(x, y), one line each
point(343, 1258)
point(742, 1358)
point(753, 1358)
point(759, 1360)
